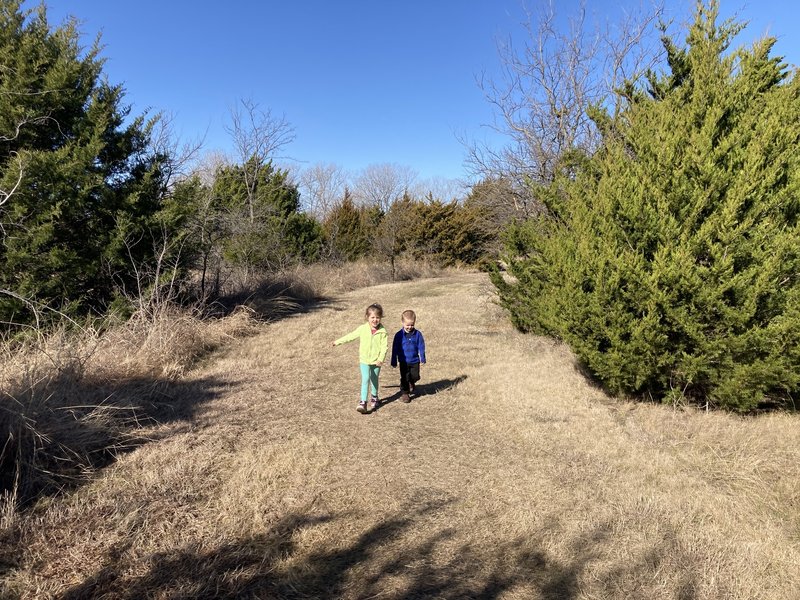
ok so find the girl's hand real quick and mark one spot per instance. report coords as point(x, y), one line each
point(333, 344)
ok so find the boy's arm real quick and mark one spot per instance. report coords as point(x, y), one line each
point(397, 347)
point(421, 347)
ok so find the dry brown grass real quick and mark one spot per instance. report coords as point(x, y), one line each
point(510, 477)
point(73, 399)
point(323, 281)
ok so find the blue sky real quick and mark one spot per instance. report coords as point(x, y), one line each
point(362, 82)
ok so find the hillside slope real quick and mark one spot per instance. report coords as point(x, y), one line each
point(510, 476)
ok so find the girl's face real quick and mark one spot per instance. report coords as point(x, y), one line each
point(373, 319)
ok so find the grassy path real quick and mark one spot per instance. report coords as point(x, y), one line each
point(511, 476)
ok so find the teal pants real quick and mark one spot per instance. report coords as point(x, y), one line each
point(369, 380)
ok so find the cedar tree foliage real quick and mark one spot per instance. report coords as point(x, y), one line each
point(669, 259)
point(89, 184)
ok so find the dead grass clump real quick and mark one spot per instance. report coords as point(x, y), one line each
point(74, 399)
point(42, 400)
point(165, 344)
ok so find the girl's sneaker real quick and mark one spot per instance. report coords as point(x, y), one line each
point(362, 407)
point(374, 403)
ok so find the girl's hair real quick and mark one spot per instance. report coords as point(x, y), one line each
point(374, 308)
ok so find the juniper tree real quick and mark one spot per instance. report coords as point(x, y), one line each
point(669, 260)
point(347, 231)
point(89, 187)
point(448, 232)
point(262, 226)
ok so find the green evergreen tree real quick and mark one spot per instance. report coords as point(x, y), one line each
point(448, 232)
point(304, 237)
point(264, 229)
point(670, 262)
point(89, 188)
point(347, 230)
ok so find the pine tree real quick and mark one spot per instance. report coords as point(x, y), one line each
point(89, 187)
point(347, 230)
point(670, 261)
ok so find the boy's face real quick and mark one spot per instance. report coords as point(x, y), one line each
point(408, 325)
point(373, 319)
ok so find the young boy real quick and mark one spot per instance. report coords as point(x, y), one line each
point(408, 349)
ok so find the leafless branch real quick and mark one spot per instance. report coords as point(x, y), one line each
point(322, 185)
point(5, 195)
point(382, 184)
point(548, 83)
point(257, 135)
point(179, 155)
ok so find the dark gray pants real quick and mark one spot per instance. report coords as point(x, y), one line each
point(409, 375)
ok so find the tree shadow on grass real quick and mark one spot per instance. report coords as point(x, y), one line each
point(409, 555)
point(276, 299)
point(61, 431)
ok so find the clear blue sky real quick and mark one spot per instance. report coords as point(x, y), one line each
point(361, 82)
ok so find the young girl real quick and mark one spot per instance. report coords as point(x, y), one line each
point(373, 343)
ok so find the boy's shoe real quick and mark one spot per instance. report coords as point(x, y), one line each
point(404, 397)
point(374, 403)
point(362, 407)
point(411, 389)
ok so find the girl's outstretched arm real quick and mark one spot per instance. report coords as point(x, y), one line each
point(349, 337)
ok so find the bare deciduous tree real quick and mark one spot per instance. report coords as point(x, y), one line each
point(322, 185)
point(257, 136)
point(440, 188)
point(547, 86)
point(179, 155)
point(381, 184)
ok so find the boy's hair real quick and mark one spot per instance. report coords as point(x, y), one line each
point(409, 315)
point(374, 308)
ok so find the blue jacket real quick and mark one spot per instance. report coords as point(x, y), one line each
point(408, 348)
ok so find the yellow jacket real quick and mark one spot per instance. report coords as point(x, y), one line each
point(372, 346)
